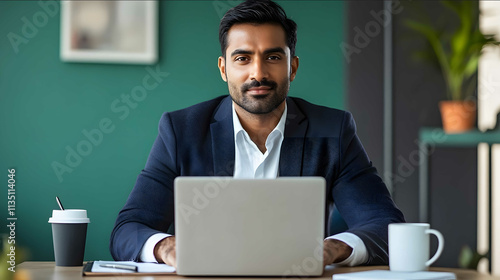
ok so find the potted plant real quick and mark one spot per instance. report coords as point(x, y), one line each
point(470, 259)
point(457, 54)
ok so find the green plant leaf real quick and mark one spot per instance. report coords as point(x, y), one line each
point(432, 37)
point(461, 37)
point(457, 51)
point(469, 259)
point(465, 257)
point(471, 66)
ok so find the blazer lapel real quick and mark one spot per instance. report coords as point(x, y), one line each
point(291, 156)
point(222, 132)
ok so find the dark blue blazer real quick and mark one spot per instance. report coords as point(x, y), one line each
point(199, 141)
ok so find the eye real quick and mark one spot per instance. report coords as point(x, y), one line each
point(241, 58)
point(274, 57)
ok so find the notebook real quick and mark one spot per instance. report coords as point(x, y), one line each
point(94, 268)
point(387, 275)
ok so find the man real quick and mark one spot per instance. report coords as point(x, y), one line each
point(258, 132)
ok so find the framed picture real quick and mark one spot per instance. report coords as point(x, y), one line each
point(109, 31)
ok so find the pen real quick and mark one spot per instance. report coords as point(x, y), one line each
point(120, 266)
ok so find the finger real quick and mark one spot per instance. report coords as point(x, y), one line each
point(172, 260)
point(327, 256)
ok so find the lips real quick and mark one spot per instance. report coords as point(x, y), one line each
point(258, 90)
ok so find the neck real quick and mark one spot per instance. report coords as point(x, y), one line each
point(259, 126)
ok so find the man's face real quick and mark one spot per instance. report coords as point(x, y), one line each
point(257, 67)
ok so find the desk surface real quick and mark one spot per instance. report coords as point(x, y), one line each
point(48, 271)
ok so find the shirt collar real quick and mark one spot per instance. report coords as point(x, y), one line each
point(279, 127)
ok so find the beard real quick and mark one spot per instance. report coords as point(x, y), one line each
point(263, 104)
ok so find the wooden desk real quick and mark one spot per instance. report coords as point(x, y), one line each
point(48, 271)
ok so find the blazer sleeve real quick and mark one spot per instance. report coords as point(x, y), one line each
point(150, 206)
point(362, 197)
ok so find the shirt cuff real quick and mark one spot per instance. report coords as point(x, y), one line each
point(359, 253)
point(147, 251)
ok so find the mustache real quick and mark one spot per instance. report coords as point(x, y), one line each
point(263, 83)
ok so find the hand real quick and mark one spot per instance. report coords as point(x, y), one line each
point(335, 251)
point(165, 251)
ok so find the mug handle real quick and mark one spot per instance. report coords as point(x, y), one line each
point(440, 245)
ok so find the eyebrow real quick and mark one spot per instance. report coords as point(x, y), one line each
point(267, 51)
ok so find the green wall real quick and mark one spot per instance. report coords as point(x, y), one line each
point(45, 105)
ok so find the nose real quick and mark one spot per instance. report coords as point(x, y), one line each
point(259, 70)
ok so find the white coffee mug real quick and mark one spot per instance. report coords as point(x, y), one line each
point(409, 246)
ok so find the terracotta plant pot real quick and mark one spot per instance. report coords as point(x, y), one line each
point(458, 116)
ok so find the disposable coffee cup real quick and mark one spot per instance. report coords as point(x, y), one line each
point(69, 232)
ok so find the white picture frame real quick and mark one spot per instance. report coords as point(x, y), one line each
point(109, 31)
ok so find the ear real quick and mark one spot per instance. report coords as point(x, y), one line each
point(294, 66)
point(222, 68)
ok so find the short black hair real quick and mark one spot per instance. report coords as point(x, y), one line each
point(258, 12)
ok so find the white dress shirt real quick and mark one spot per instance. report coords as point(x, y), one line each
point(251, 163)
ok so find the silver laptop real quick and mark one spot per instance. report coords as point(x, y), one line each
point(266, 227)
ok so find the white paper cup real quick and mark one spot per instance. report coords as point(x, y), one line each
point(69, 232)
